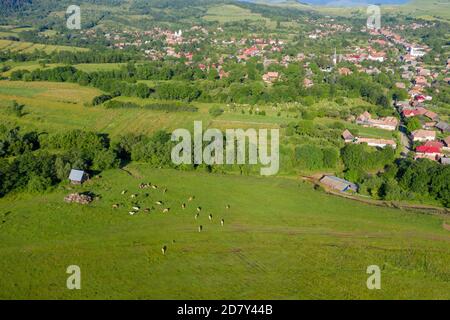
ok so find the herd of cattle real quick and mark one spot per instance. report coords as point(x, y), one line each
point(136, 208)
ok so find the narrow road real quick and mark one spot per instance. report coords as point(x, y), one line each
point(406, 141)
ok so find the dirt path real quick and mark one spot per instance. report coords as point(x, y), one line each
point(132, 172)
point(380, 203)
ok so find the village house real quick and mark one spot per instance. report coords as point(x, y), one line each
point(339, 184)
point(347, 136)
point(445, 161)
point(363, 118)
point(423, 135)
point(443, 126)
point(431, 115)
point(429, 125)
point(421, 81)
point(377, 56)
point(307, 83)
point(387, 123)
point(428, 152)
point(409, 113)
point(378, 143)
point(416, 52)
point(345, 71)
point(423, 72)
point(270, 77)
point(400, 85)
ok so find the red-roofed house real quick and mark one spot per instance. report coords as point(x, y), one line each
point(345, 71)
point(431, 115)
point(379, 143)
point(347, 136)
point(363, 118)
point(270, 77)
point(434, 144)
point(414, 112)
point(428, 152)
point(423, 135)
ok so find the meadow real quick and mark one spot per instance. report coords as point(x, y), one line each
point(232, 13)
point(281, 240)
point(424, 9)
point(57, 107)
point(29, 47)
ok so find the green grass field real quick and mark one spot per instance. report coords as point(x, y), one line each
point(29, 47)
point(93, 67)
point(281, 240)
point(424, 9)
point(52, 106)
point(232, 13)
point(57, 107)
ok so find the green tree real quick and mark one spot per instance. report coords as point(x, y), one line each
point(330, 157)
point(413, 124)
point(309, 157)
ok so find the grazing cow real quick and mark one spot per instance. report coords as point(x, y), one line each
point(222, 222)
point(124, 191)
point(115, 206)
point(200, 228)
point(147, 210)
point(199, 209)
point(165, 190)
point(132, 213)
point(191, 198)
point(166, 210)
point(228, 206)
point(196, 216)
point(155, 187)
point(136, 208)
point(164, 250)
point(159, 203)
point(143, 186)
point(183, 206)
point(134, 196)
point(210, 217)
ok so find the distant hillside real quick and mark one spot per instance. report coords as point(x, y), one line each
point(335, 2)
point(11, 5)
point(351, 2)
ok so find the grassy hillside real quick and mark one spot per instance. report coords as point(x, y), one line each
point(281, 239)
point(59, 107)
point(230, 13)
point(426, 9)
point(29, 47)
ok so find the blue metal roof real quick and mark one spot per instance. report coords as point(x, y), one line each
point(76, 175)
point(346, 185)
